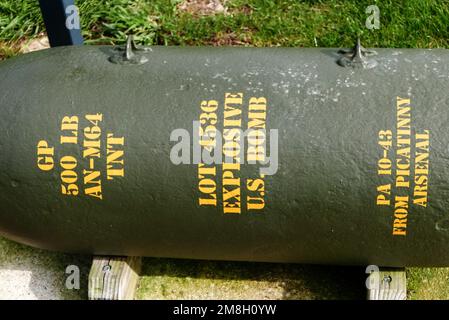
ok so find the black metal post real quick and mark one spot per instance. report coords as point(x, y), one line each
point(61, 18)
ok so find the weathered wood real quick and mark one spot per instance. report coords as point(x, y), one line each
point(114, 278)
point(387, 284)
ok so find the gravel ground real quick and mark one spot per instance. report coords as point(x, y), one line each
point(32, 274)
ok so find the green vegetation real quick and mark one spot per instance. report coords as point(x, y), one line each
point(428, 283)
point(307, 23)
point(188, 279)
point(333, 23)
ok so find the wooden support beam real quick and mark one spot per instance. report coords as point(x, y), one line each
point(114, 278)
point(387, 284)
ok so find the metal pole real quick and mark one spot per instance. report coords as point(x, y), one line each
point(61, 18)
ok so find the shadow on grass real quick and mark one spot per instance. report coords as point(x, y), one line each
point(41, 274)
point(296, 281)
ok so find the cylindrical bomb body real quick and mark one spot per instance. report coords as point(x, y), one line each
point(312, 162)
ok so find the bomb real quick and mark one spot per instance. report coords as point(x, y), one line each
point(301, 155)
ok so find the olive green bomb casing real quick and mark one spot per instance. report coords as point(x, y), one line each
point(330, 157)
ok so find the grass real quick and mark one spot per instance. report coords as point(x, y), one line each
point(333, 23)
point(187, 279)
